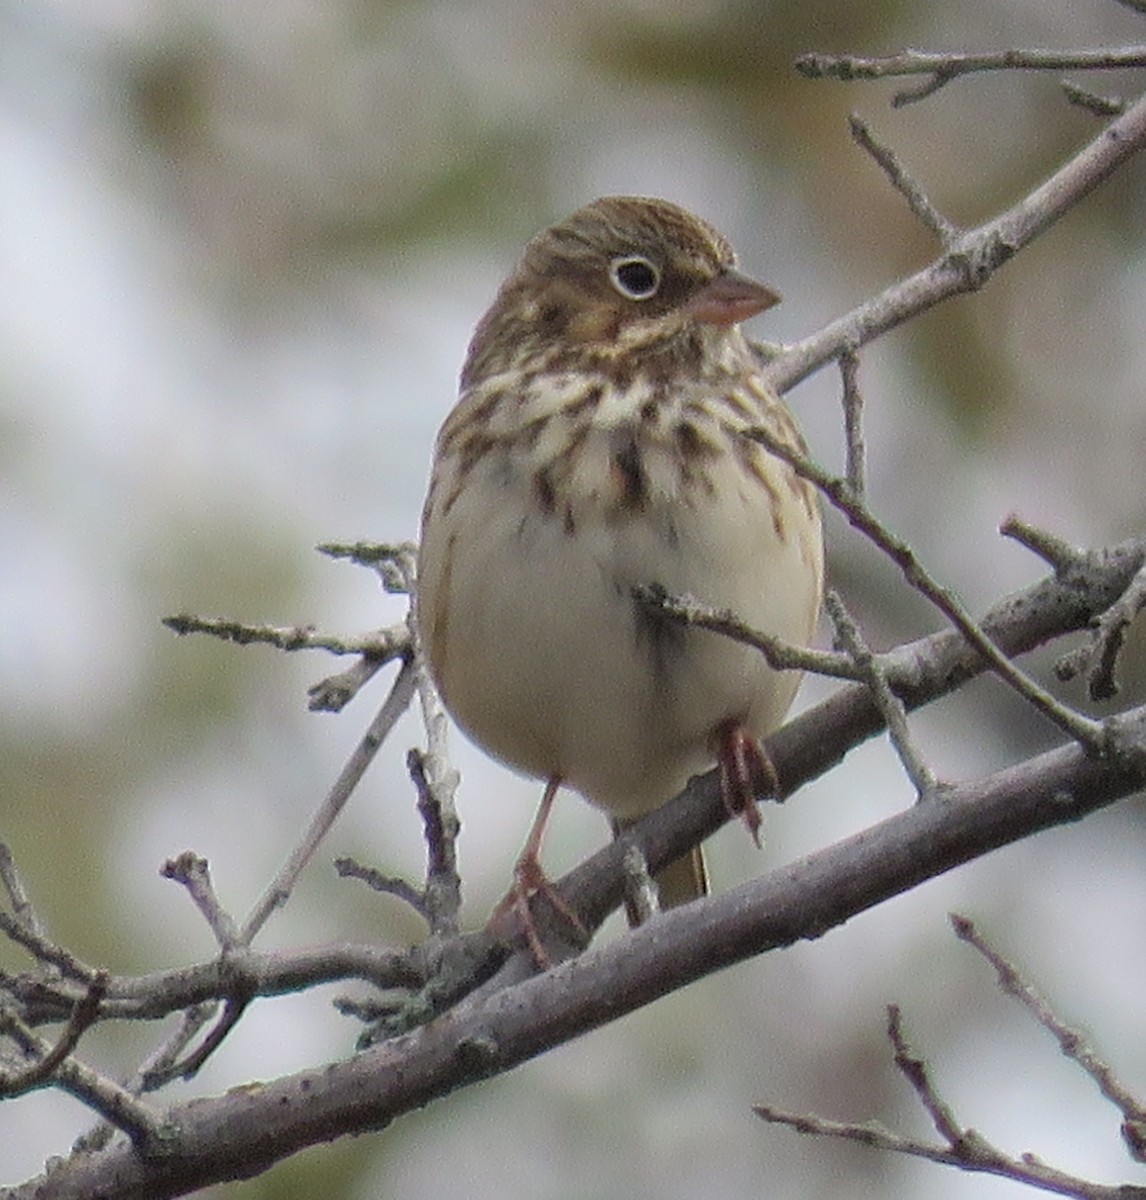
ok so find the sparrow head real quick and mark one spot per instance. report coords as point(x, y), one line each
point(623, 275)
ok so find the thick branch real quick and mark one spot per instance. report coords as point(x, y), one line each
point(492, 1032)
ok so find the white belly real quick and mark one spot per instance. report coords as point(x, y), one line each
point(545, 659)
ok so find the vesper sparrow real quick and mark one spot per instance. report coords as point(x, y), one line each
point(598, 445)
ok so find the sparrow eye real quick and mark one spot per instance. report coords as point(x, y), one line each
point(634, 277)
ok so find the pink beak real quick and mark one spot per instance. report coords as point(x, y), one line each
point(729, 299)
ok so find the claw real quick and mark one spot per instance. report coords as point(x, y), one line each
point(529, 880)
point(746, 772)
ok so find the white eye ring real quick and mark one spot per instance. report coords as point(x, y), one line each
point(634, 277)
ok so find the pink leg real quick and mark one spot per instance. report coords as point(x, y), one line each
point(529, 879)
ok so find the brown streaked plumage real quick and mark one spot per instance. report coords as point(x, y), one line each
point(597, 445)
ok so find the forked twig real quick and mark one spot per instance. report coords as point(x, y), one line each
point(874, 672)
point(960, 1146)
point(1083, 730)
point(973, 260)
point(1099, 656)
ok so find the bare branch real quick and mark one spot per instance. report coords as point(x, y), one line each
point(151, 1073)
point(1053, 550)
point(233, 1009)
point(914, 1070)
point(436, 780)
point(331, 694)
point(971, 263)
point(45, 951)
point(1072, 1042)
point(443, 893)
point(1099, 656)
point(335, 692)
point(115, 1104)
point(160, 993)
point(22, 910)
point(502, 1026)
point(382, 644)
point(388, 559)
point(944, 67)
point(56, 1065)
point(779, 654)
point(964, 1148)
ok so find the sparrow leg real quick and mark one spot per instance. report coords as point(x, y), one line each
point(746, 772)
point(529, 879)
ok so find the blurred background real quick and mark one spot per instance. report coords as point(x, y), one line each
point(242, 247)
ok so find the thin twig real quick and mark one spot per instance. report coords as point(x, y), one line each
point(442, 895)
point(194, 874)
point(280, 888)
point(152, 1073)
point(1092, 102)
point(1099, 656)
point(22, 909)
point(114, 1103)
point(946, 231)
point(56, 1064)
point(389, 885)
point(962, 1147)
point(83, 1017)
point(914, 1070)
point(335, 692)
point(1055, 551)
point(387, 559)
point(382, 644)
point(436, 781)
point(854, 449)
point(986, 1158)
point(233, 1009)
point(46, 951)
point(891, 708)
point(779, 654)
